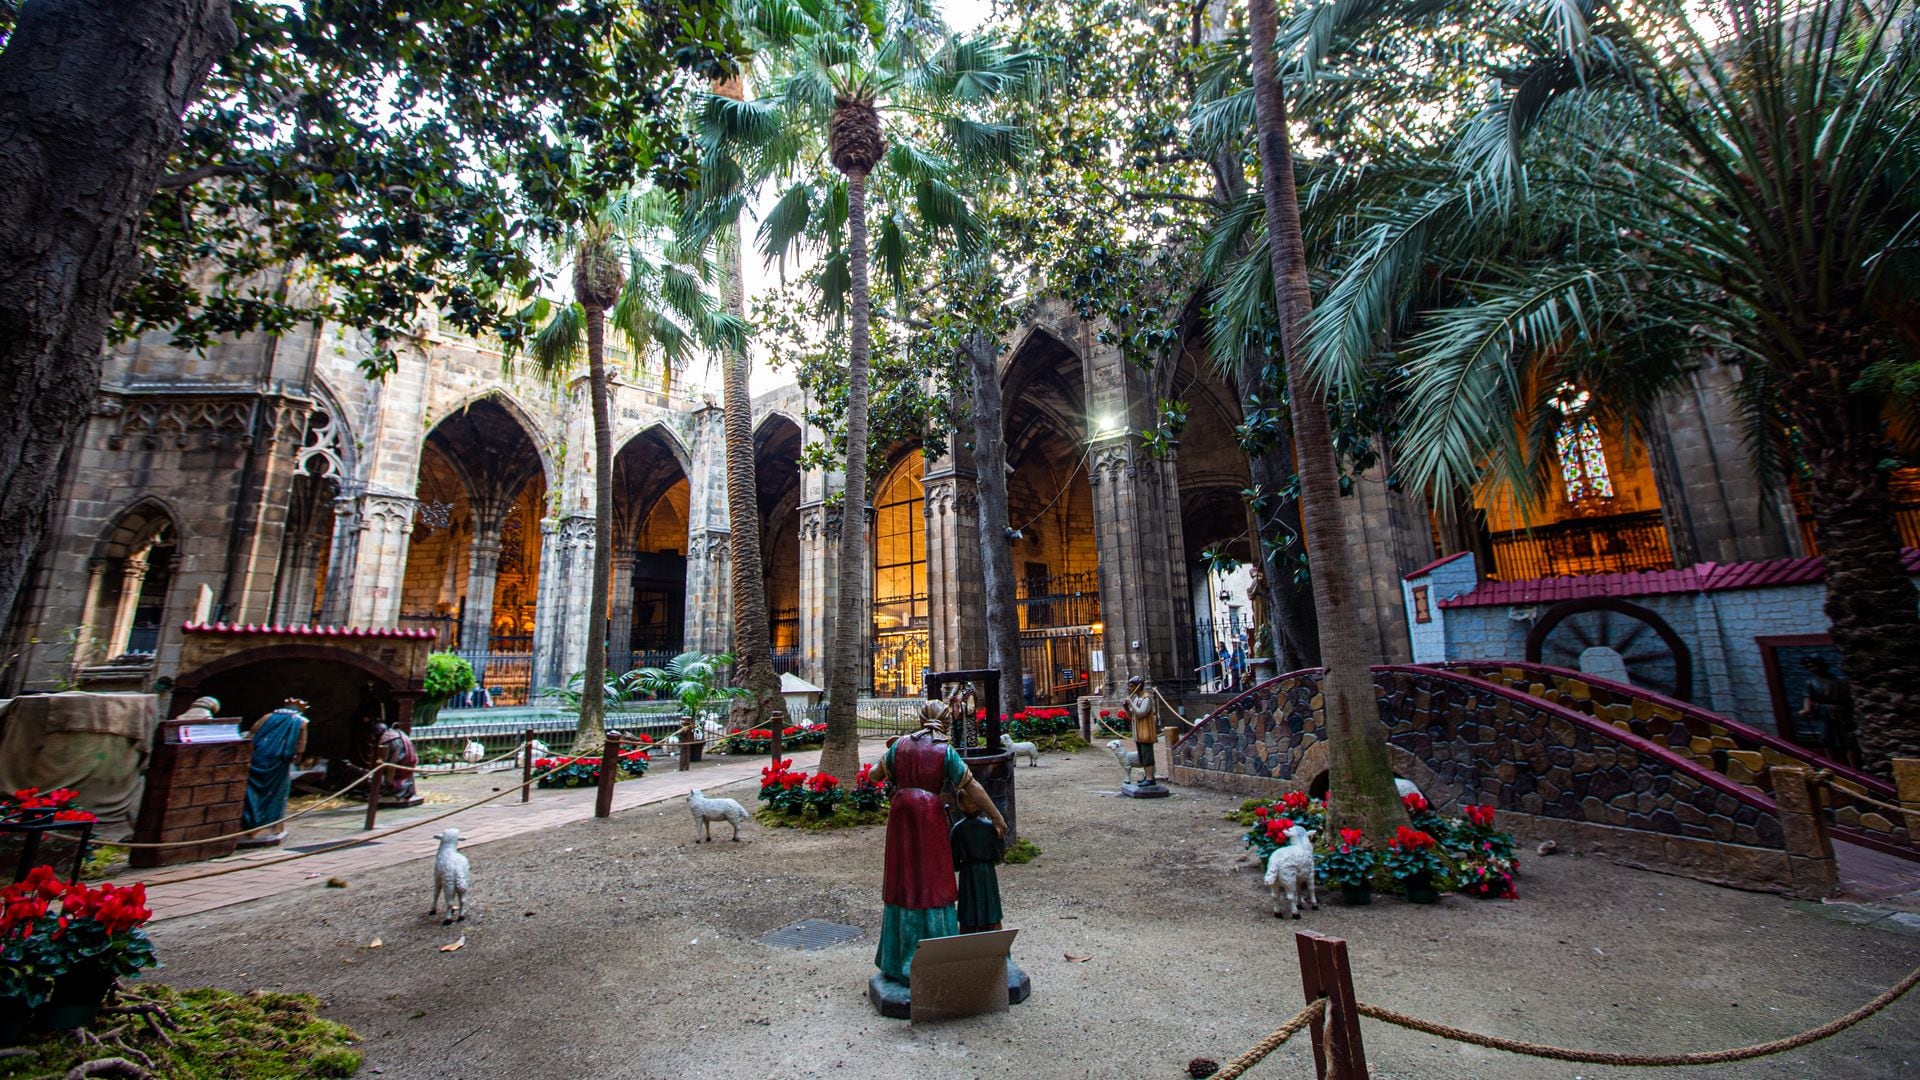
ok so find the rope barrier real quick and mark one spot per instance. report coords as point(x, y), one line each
point(1309, 1015)
point(1606, 1057)
point(476, 766)
point(1824, 777)
point(354, 841)
point(302, 812)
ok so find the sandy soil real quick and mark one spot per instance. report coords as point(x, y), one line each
point(620, 949)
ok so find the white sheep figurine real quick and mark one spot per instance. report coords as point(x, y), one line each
point(539, 749)
point(1129, 759)
point(1290, 869)
point(473, 752)
point(451, 876)
point(707, 811)
point(1404, 787)
point(1021, 749)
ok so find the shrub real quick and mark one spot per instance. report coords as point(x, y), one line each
point(1022, 851)
point(867, 796)
point(1348, 862)
point(573, 772)
point(1294, 808)
point(447, 675)
point(1413, 855)
point(824, 795)
point(96, 930)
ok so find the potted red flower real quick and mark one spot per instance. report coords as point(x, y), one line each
point(58, 968)
point(1348, 865)
point(1414, 860)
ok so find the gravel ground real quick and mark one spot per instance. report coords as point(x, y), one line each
point(620, 949)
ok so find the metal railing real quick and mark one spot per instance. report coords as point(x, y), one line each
point(1058, 600)
point(1624, 543)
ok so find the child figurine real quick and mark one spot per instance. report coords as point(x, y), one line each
point(977, 847)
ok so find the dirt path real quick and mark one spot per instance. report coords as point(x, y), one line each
point(620, 949)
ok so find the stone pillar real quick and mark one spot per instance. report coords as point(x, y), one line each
point(709, 614)
point(956, 602)
point(133, 576)
point(293, 598)
point(483, 572)
point(620, 615)
point(572, 595)
point(548, 610)
point(90, 642)
point(1906, 781)
point(819, 577)
point(383, 527)
point(1810, 862)
point(342, 559)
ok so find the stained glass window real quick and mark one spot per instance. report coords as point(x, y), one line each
point(1583, 455)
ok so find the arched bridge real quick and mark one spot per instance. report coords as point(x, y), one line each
point(1605, 767)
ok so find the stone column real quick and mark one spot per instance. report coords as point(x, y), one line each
point(819, 575)
point(293, 599)
point(483, 572)
point(548, 610)
point(133, 576)
point(343, 557)
point(89, 644)
point(956, 600)
point(384, 527)
point(709, 614)
point(575, 543)
point(620, 615)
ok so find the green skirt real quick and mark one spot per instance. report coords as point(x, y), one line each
point(900, 932)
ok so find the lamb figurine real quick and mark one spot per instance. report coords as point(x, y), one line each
point(473, 752)
point(1290, 869)
point(1021, 750)
point(1404, 787)
point(539, 749)
point(451, 876)
point(707, 811)
point(1129, 759)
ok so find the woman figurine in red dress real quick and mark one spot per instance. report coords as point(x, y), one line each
point(918, 888)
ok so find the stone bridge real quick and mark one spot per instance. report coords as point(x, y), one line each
point(1603, 768)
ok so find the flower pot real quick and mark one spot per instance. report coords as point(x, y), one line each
point(13, 1020)
point(1421, 890)
point(75, 1000)
point(1356, 895)
point(426, 710)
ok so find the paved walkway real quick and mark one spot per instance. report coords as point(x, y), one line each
point(176, 891)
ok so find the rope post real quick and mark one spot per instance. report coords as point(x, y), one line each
point(373, 800)
point(683, 739)
point(526, 766)
point(1811, 869)
point(1326, 973)
point(609, 772)
point(1906, 781)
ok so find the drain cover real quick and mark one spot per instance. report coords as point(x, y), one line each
point(811, 934)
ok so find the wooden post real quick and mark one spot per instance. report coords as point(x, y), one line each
point(609, 773)
point(373, 799)
point(1326, 973)
point(526, 766)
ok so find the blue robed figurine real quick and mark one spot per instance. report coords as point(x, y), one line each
point(278, 738)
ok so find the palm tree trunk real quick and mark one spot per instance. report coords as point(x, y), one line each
point(996, 558)
point(1296, 628)
point(593, 697)
point(840, 756)
point(1871, 606)
point(1361, 792)
point(752, 638)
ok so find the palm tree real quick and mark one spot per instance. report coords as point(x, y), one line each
point(882, 90)
point(628, 266)
point(752, 633)
point(1360, 775)
point(1754, 196)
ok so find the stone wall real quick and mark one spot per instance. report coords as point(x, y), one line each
point(1550, 771)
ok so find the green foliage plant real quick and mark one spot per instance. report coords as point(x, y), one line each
point(691, 678)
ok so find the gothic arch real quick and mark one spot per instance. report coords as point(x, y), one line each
point(136, 524)
point(668, 438)
point(764, 423)
point(520, 414)
point(328, 448)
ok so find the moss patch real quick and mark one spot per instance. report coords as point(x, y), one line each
point(843, 818)
point(221, 1034)
point(1067, 742)
point(1022, 851)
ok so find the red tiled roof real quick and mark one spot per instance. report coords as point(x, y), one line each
point(1701, 577)
point(1434, 565)
point(309, 631)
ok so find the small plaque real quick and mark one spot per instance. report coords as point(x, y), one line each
point(207, 733)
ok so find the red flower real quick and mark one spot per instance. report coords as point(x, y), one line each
point(1411, 839)
point(1415, 803)
point(1481, 816)
point(1352, 837)
point(1295, 801)
point(1259, 811)
point(1104, 713)
point(979, 714)
point(1277, 829)
point(73, 815)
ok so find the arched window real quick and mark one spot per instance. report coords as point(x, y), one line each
point(900, 579)
point(1583, 454)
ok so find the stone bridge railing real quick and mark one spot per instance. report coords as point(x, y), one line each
point(1551, 771)
point(1743, 754)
